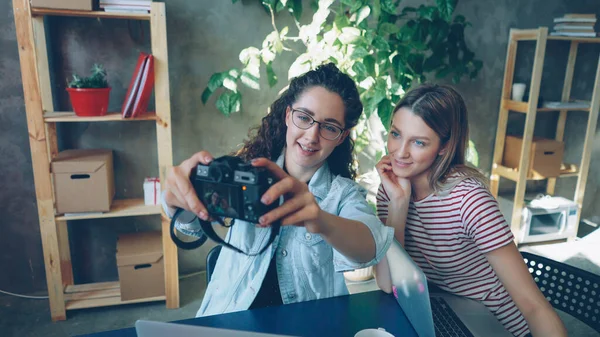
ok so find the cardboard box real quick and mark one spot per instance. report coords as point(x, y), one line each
point(83, 181)
point(83, 5)
point(141, 265)
point(546, 155)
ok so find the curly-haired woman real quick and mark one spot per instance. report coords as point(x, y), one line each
point(327, 225)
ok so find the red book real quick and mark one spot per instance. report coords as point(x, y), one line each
point(145, 88)
point(134, 85)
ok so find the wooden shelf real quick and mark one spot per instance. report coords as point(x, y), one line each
point(98, 295)
point(559, 109)
point(575, 39)
point(541, 36)
point(513, 174)
point(523, 34)
point(522, 107)
point(89, 14)
point(31, 33)
point(67, 116)
point(515, 105)
point(119, 208)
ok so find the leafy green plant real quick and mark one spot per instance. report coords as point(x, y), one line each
point(384, 46)
point(97, 79)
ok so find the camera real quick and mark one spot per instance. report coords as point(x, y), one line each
point(231, 188)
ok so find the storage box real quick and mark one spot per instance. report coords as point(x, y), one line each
point(83, 5)
point(83, 181)
point(141, 265)
point(151, 191)
point(545, 156)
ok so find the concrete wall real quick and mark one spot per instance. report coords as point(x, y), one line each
point(203, 37)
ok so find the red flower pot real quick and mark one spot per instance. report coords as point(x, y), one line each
point(89, 101)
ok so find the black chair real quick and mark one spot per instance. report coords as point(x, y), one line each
point(211, 261)
point(570, 289)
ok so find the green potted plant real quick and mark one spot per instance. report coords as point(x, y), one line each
point(89, 95)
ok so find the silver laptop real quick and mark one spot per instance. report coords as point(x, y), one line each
point(435, 314)
point(161, 329)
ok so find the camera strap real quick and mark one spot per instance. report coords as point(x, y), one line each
point(209, 233)
point(182, 244)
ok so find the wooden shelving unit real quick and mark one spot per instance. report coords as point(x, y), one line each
point(38, 12)
point(530, 109)
point(41, 122)
point(119, 208)
point(58, 117)
point(98, 294)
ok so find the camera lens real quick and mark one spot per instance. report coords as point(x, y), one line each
point(219, 172)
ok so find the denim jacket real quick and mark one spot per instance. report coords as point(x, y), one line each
point(308, 268)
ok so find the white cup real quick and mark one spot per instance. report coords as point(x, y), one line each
point(518, 91)
point(373, 333)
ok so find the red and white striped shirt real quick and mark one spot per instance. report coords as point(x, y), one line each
point(448, 236)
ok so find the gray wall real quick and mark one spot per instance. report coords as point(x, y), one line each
point(203, 37)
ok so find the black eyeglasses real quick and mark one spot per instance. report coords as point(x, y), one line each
point(305, 121)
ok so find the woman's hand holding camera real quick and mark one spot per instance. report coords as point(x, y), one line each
point(300, 207)
point(179, 190)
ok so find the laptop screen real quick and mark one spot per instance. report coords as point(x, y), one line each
point(409, 285)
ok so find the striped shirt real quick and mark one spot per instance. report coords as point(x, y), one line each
point(448, 236)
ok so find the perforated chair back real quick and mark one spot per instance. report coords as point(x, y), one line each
point(570, 289)
point(211, 261)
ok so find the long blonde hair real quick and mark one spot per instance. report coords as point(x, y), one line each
point(443, 109)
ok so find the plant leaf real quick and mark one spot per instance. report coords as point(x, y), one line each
point(216, 81)
point(443, 72)
point(314, 5)
point(355, 5)
point(349, 35)
point(472, 155)
point(271, 76)
point(250, 80)
point(384, 110)
point(359, 53)
point(369, 62)
point(446, 8)
point(368, 110)
point(229, 102)
point(351, 2)
point(416, 62)
point(460, 19)
point(300, 66)
point(388, 6)
point(381, 43)
point(360, 69)
point(206, 95)
point(376, 9)
point(249, 54)
point(427, 12)
point(362, 14)
point(433, 62)
point(295, 7)
point(398, 66)
point(341, 21)
point(388, 28)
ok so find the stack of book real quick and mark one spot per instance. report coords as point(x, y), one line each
point(140, 87)
point(129, 6)
point(580, 25)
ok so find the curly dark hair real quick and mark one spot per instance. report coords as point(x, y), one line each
point(268, 139)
